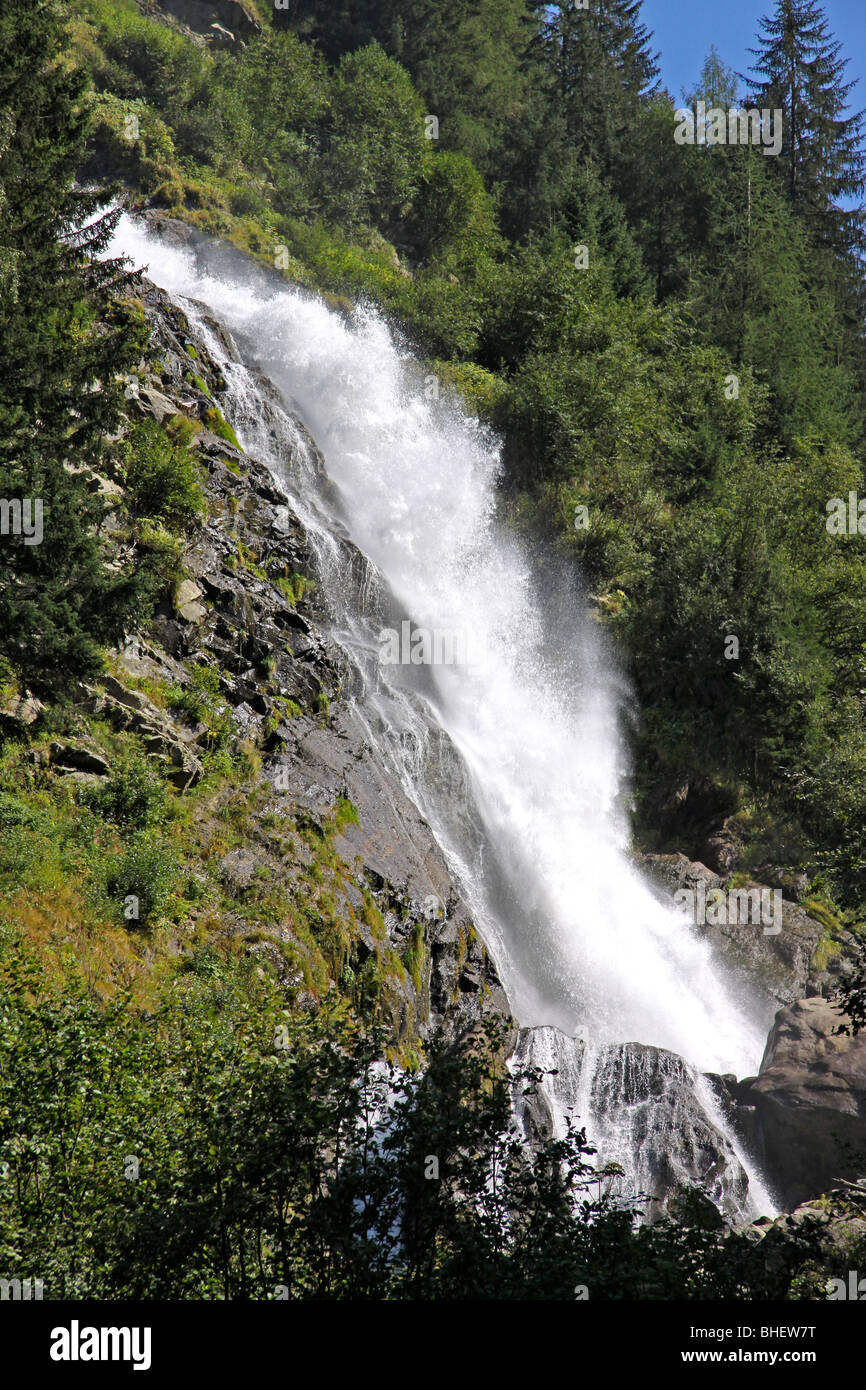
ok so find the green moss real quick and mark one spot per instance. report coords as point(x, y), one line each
point(824, 952)
point(202, 701)
point(249, 560)
point(480, 391)
point(415, 955)
point(217, 424)
point(373, 917)
point(822, 912)
point(345, 813)
point(198, 383)
point(294, 586)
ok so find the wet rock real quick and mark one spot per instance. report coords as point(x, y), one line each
point(232, 612)
point(772, 968)
point(644, 1109)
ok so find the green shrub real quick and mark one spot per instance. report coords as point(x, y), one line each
point(202, 701)
point(162, 477)
point(138, 882)
point(133, 796)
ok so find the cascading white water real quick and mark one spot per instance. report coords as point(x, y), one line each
point(531, 817)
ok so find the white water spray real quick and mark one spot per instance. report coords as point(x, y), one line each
point(532, 821)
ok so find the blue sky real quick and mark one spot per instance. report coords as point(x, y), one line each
point(684, 30)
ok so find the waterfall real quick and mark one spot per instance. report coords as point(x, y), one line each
point(515, 758)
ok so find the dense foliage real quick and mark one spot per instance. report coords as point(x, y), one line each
point(220, 1147)
point(64, 341)
point(668, 336)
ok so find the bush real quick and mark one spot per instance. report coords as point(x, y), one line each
point(376, 136)
point(138, 882)
point(133, 796)
point(454, 212)
point(201, 700)
point(162, 477)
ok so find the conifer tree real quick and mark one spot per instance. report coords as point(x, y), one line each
point(464, 56)
point(600, 68)
point(802, 74)
point(63, 343)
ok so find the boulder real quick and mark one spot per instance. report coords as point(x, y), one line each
point(807, 1107)
point(186, 602)
point(155, 403)
point(69, 757)
point(20, 711)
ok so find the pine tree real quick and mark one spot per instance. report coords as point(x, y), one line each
point(63, 342)
point(718, 84)
point(661, 186)
point(822, 161)
point(600, 69)
point(587, 74)
point(754, 294)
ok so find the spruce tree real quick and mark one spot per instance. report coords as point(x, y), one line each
point(600, 70)
point(822, 162)
point(64, 341)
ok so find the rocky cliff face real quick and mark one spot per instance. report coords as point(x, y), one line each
point(653, 1135)
point(804, 1116)
point(775, 966)
point(805, 1113)
point(247, 609)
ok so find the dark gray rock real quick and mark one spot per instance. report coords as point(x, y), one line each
point(73, 757)
point(649, 1116)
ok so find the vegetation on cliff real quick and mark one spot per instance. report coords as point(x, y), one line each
point(668, 338)
point(693, 378)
